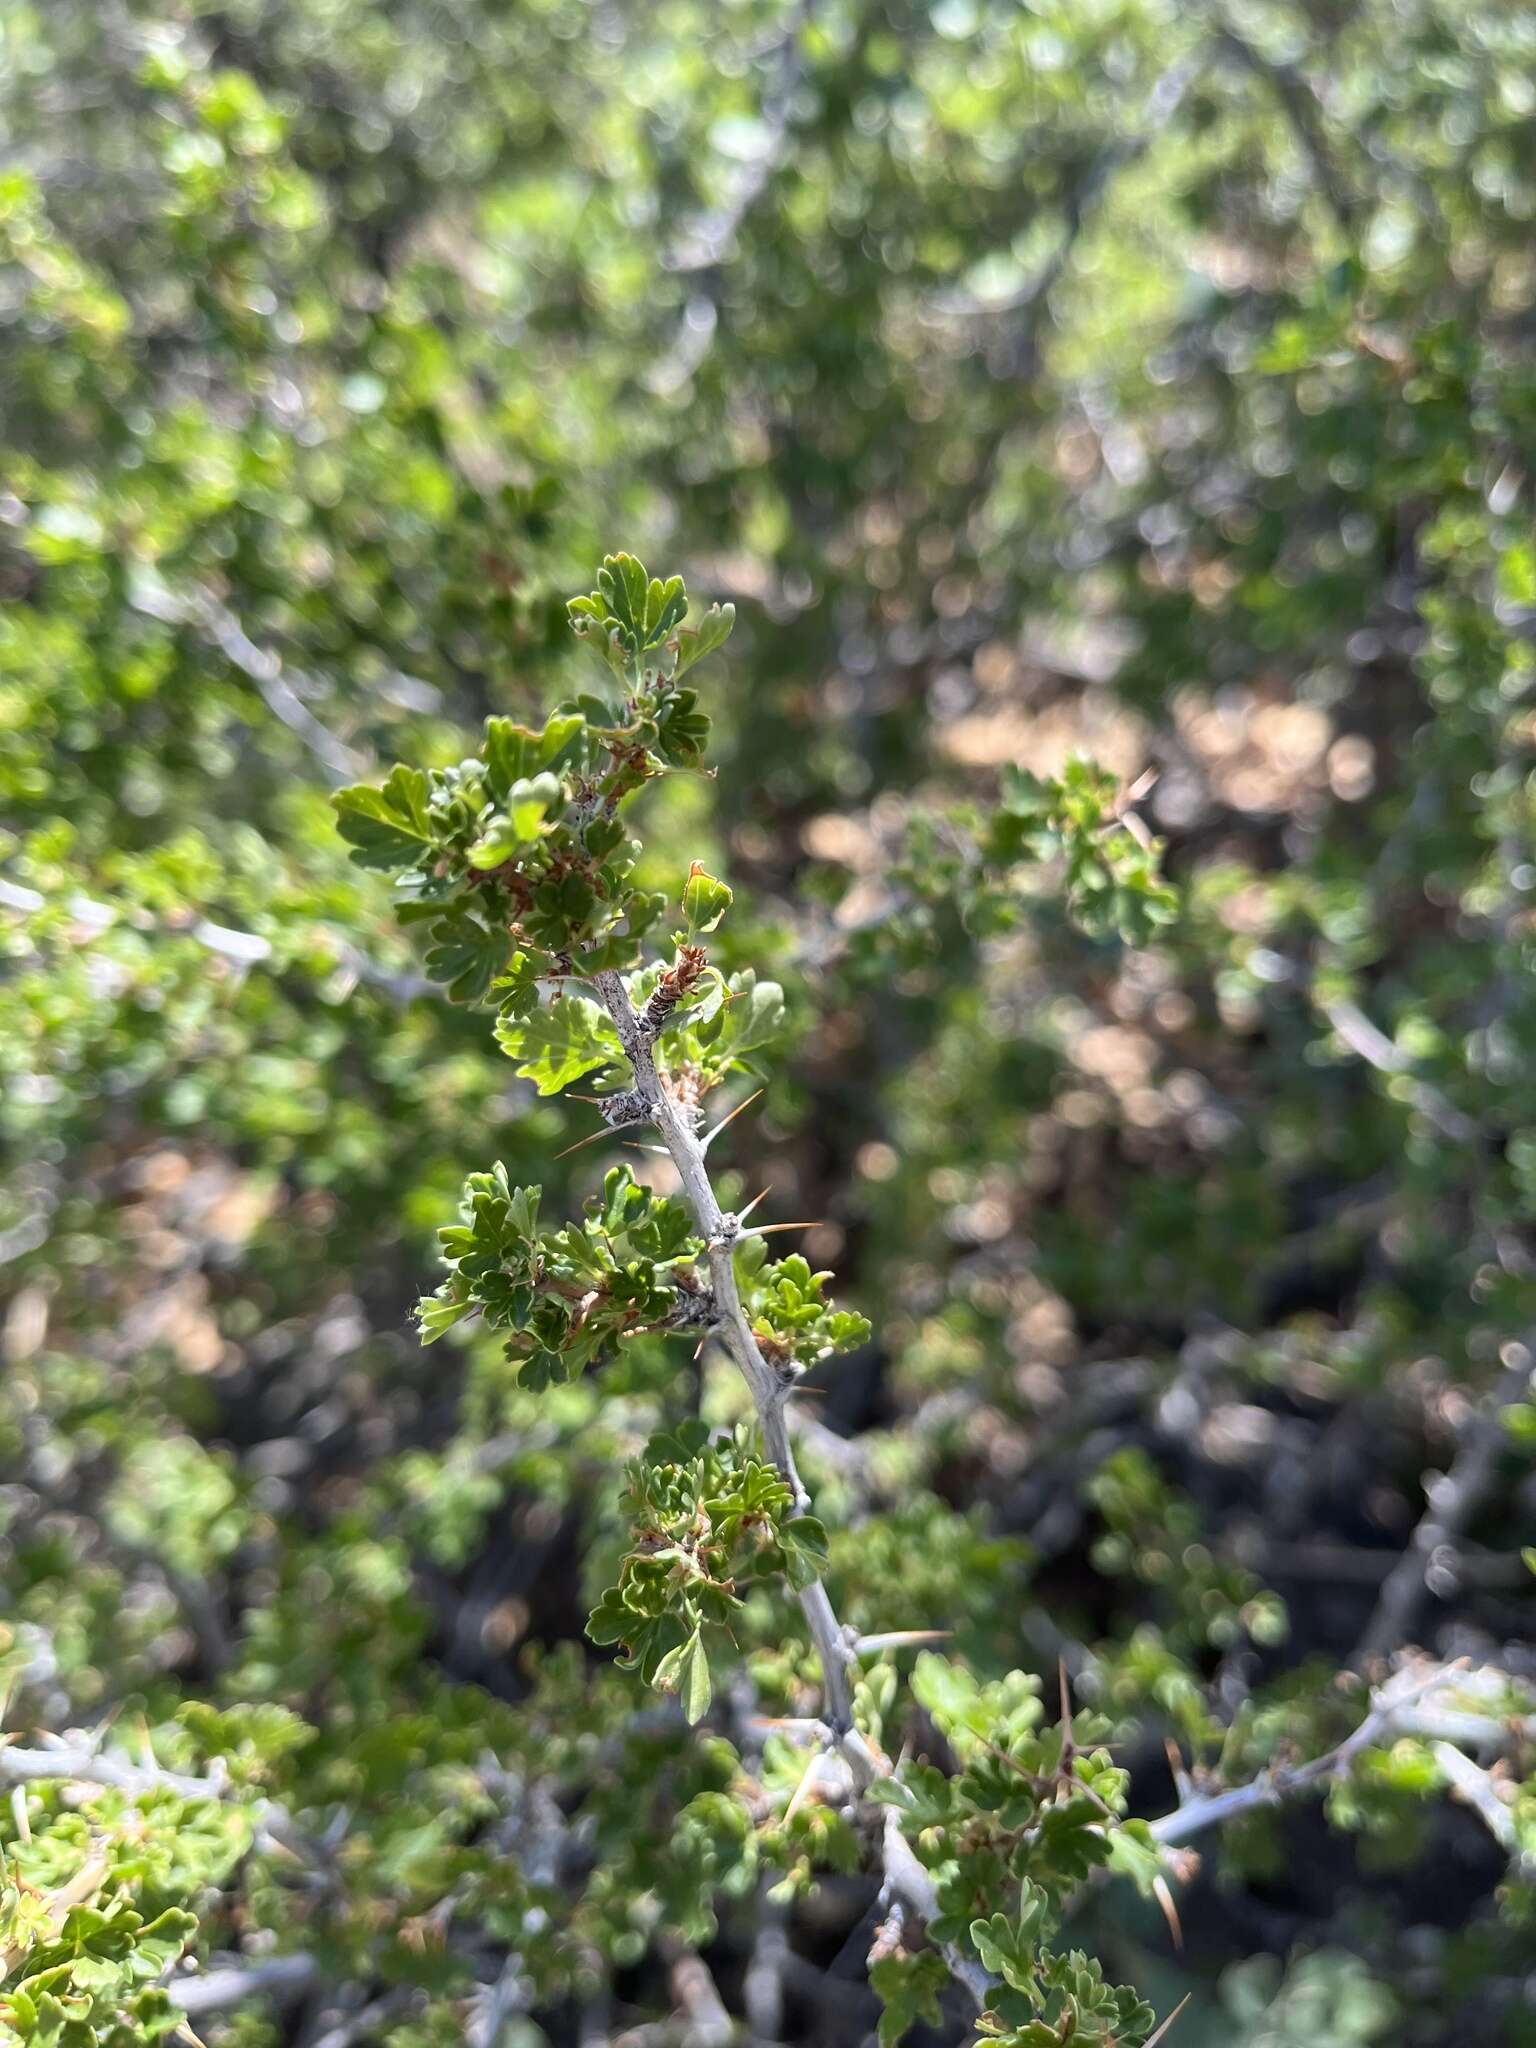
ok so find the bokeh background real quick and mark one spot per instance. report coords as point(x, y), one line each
point(1146, 380)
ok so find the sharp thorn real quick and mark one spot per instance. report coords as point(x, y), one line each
point(812, 1770)
point(900, 1638)
point(1164, 1897)
point(709, 1138)
point(1176, 1770)
point(1162, 2032)
point(580, 1142)
point(743, 1214)
point(766, 1229)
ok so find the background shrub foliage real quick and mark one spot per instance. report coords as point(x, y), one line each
point(1122, 382)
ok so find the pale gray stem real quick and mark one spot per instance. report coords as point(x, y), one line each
point(275, 1977)
point(284, 689)
point(1384, 1054)
point(1477, 1787)
point(905, 1876)
point(1451, 1500)
point(495, 2005)
point(1388, 1705)
point(763, 1987)
point(769, 1388)
point(909, 1882)
point(709, 2025)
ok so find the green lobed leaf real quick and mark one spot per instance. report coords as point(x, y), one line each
point(909, 1988)
point(712, 631)
point(557, 1044)
point(386, 827)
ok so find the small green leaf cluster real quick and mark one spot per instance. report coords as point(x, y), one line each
point(567, 1296)
point(706, 899)
point(1050, 845)
point(1154, 1534)
point(94, 1911)
point(1029, 1813)
point(1110, 878)
point(920, 1557)
point(793, 1322)
point(1052, 1998)
point(802, 1835)
point(1044, 1793)
point(559, 1043)
point(712, 1029)
point(1326, 1994)
point(635, 624)
point(909, 1988)
point(708, 1516)
point(515, 859)
point(88, 1973)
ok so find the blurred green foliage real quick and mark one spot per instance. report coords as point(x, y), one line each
point(1147, 384)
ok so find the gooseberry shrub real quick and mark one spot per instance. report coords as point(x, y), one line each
point(520, 866)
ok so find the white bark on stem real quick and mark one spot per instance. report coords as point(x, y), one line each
point(768, 1387)
point(909, 1882)
point(1480, 1791)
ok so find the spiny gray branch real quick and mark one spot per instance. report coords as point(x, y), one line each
point(1388, 1705)
point(769, 1389)
point(905, 1877)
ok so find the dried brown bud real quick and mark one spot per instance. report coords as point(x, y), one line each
point(673, 986)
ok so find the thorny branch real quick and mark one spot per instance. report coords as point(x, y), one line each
point(769, 1389)
point(1389, 1705)
point(905, 1877)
